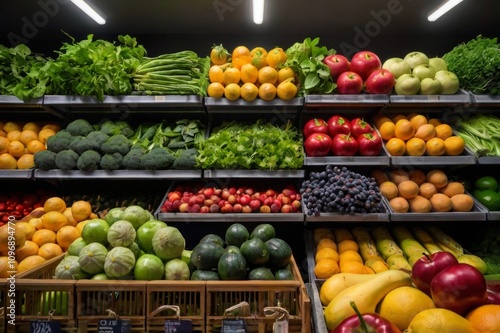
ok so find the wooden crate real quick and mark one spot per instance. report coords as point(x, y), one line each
point(290, 295)
point(126, 298)
point(189, 296)
point(44, 271)
point(34, 299)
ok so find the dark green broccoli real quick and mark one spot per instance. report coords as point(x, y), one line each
point(59, 141)
point(79, 144)
point(116, 144)
point(89, 160)
point(158, 158)
point(97, 138)
point(79, 127)
point(112, 162)
point(45, 160)
point(132, 161)
point(186, 159)
point(66, 159)
point(111, 128)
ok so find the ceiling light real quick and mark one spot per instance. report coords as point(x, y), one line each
point(258, 11)
point(89, 11)
point(444, 8)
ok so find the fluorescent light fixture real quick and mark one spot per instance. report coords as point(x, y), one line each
point(443, 9)
point(89, 11)
point(258, 11)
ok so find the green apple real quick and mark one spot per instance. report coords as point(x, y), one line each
point(423, 71)
point(449, 82)
point(430, 86)
point(438, 64)
point(397, 66)
point(416, 58)
point(407, 84)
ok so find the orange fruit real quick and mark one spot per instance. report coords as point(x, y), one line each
point(387, 130)
point(27, 228)
point(33, 126)
point(420, 204)
point(443, 131)
point(43, 236)
point(16, 148)
point(80, 225)
point(379, 175)
point(36, 222)
point(54, 220)
point(12, 126)
point(218, 54)
point(326, 253)
point(349, 255)
point(11, 235)
point(28, 249)
point(408, 189)
point(418, 120)
point(396, 146)
point(44, 134)
point(27, 136)
point(49, 251)
point(435, 147)
point(286, 90)
point(267, 91)
point(232, 75)
point(441, 203)
point(240, 56)
point(437, 177)
point(232, 91)
point(4, 145)
point(485, 318)
point(398, 175)
point(404, 129)
point(285, 73)
point(30, 262)
point(14, 135)
point(6, 266)
point(425, 132)
point(395, 118)
point(320, 233)
point(7, 161)
point(427, 190)
point(462, 203)
point(215, 90)
point(389, 189)
point(347, 245)
point(454, 145)
point(276, 57)
point(325, 268)
point(452, 188)
point(249, 91)
point(54, 204)
point(354, 267)
point(216, 74)
point(35, 146)
point(27, 161)
point(434, 121)
point(81, 210)
point(381, 119)
point(415, 147)
point(399, 205)
point(417, 175)
point(69, 216)
point(326, 242)
point(249, 73)
point(259, 55)
point(268, 74)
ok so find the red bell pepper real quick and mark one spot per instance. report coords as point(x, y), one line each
point(365, 323)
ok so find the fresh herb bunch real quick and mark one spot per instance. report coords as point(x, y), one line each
point(306, 59)
point(477, 65)
point(93, 67)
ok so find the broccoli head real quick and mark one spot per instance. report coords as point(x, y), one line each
point(45, 160)
point(79, 127)
point(111, 128)
point(132, 161)
point(186, 159)
point(158, 158)
point(89, 160)
point(59, 141)
point(66, 159)
point(116, 144)
point(112, 162)
point(79, 145)
point(97, 138)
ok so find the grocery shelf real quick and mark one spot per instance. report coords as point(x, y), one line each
point(380, 160)
point(317, 312)
point(253, 173)
point(223, 105)
point(16, 174)
point(117, 174)
point(488, 160)
point(347, 99)
point(478, 213)
point(14, 105)
point(342, 218)
point(462, 97)
point(230, 217)
point(493, 215)
point(485, 100)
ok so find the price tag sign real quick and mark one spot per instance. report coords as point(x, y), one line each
point(45, 326)
point(234, 326)
point(114, 325)
point(280, 327)
point(178, 326)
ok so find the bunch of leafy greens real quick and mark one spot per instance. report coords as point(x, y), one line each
point(306, 59)
point(93, 67)
point(262, 145)
point(19, 72)
point(477, 65)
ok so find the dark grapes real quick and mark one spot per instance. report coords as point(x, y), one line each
point(340, 190)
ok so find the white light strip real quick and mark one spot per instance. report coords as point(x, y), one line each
point(89, 11)
point(443, 9)
point(258, 11)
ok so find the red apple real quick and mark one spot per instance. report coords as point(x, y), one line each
point(349, 83)
point(428, 266)
point(246, 209)
point(459, 288)
point(204, 210)
point(286, 209)
point(369, 144)
point(337, 64)
point(245, 199)
point(315, 125)
point(380, 81)
point(360, 126)
point(344, 145)
point(254, 204)
point(265, 209)
point(237, 208)
point(338, 125)
point(364, 63)
point(318, 144)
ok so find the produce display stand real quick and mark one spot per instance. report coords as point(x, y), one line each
point(117, 174)
point(17, 174)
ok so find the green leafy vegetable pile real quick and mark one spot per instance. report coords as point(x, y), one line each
point(477, 65)
point(481, 133)
point(306, 59)
point(262, 145)
point(181, 73)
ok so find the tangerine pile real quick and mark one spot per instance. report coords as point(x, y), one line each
point(417, 135)
point(250, 74)
point(20, 141)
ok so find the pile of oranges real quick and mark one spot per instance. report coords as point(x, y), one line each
point(44, 234)
point(417, 135)
point(250, 74)
point(20, 141)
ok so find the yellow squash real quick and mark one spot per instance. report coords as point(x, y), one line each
point(439, 320)
point(365, 294)
point(338, 282)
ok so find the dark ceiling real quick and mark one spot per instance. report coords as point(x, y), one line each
point(389, 27)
